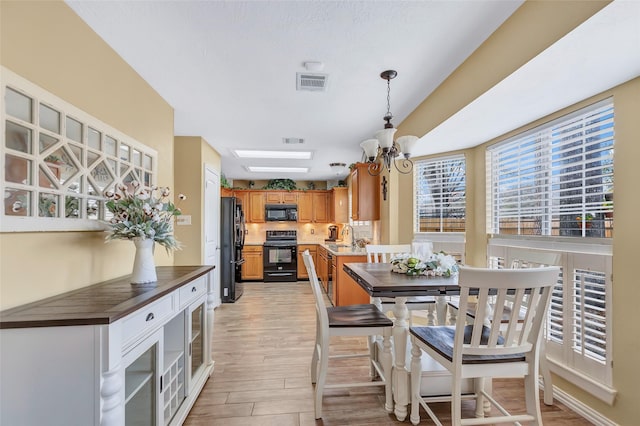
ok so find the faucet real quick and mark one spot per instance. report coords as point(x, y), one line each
point(353, 237)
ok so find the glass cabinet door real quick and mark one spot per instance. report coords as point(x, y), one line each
point(196, 344)
point(141, 382)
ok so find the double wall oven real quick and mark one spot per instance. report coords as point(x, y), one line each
point(280, 256)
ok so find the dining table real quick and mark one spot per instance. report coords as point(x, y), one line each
point(378, 281)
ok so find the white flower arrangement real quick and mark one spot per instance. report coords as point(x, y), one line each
point(437, 264)
point(143, 214)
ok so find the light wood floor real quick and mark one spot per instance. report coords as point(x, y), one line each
point(262, 350)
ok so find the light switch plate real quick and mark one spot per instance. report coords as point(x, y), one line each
point(184, 219)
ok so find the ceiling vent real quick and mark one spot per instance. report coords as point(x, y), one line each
point(311, 82)
point(292, 141)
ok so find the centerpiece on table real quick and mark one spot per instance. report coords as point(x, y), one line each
point(436, 264)
point(144, 216)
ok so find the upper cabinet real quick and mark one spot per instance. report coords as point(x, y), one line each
point(313, 207)
point(365, 194)
point(281, 197)
point(255, 212)
point(339, 205)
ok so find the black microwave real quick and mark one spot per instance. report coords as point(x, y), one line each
point(281, 212)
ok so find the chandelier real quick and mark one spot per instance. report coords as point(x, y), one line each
point(381, 151)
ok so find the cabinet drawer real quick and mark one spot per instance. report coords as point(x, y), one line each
point(192, 291)
point(144, 321)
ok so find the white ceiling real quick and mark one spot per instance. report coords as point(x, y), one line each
point(228, 68)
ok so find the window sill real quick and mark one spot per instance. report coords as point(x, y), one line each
point(599, 246)
point(597, 389)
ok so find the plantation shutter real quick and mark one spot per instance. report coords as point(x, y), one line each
point(556, 179)
point(440, 194)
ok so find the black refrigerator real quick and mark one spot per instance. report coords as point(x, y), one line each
point(232, 232)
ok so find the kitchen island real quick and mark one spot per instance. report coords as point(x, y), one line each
point(340, 287)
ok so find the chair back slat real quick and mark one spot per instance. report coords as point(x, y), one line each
point(528, 289)
point(321, 310)
point(382, 253)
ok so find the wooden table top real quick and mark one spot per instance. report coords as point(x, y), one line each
point(101, 303)
point(378, 281)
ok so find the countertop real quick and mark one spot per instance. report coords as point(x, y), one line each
point(102, 303)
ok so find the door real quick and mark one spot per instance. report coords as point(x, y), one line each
point(211, 249)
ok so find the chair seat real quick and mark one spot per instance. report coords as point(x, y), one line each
point(440, 339)
point(357, 316)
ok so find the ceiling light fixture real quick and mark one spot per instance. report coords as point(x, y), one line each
point(285, 155)
point(382, 150)
point(338, 169)
point(265, 169)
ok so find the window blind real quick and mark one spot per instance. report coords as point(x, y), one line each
point(440, 194)
point(556, 179)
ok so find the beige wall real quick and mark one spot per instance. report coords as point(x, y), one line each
point(48, 44)
point(473, 78)
point(192, 154)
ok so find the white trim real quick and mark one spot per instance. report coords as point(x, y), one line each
point(441, 237)
point(581, 408)
point(599, 246)
point(597, 389)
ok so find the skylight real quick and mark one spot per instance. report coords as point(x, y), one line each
point(266, 169)
point(286, 155)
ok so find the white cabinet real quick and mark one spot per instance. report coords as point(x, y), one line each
point(109, 354)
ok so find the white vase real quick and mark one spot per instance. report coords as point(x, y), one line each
point(144, 267)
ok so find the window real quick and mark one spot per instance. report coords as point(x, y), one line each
point(440, 195)
point(58, 161)
point(556, 179)
point(578, 327)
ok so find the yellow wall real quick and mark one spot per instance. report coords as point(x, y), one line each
point(506, 50)
point(192, 154)
point(48, 44)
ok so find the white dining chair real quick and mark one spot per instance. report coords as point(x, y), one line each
point(383, 253)
point(483, 349)
point(353, 320)
point(520, 258)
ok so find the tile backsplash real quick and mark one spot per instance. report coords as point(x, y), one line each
point(307, 232)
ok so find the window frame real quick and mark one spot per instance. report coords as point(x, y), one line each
point(83, 156)
point(442, 234)
point(538, 154)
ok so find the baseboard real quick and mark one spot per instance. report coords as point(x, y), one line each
point(580, 408)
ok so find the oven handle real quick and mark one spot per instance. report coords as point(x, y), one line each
point(279, 274)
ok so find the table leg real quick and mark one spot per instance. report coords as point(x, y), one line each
point(400, 334)
point(441, 310)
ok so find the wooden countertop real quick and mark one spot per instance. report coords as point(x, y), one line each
point(101, 303)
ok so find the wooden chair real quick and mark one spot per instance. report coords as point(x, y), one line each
point(353, 320)
point(520, 258)
point(482, 349)
point(377, 253)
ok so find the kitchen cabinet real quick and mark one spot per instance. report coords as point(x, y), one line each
point(339, 205)
point(136, 354)
point(253, 265)
point(302, 270)
point(313, 207)
point(322, 267)
point(346, 290)
point(255, 212)
point(226, 192)
point(281, 197)
point(365, 194)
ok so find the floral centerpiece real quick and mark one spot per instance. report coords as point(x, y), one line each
point(144, 216)
point(437, 264)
